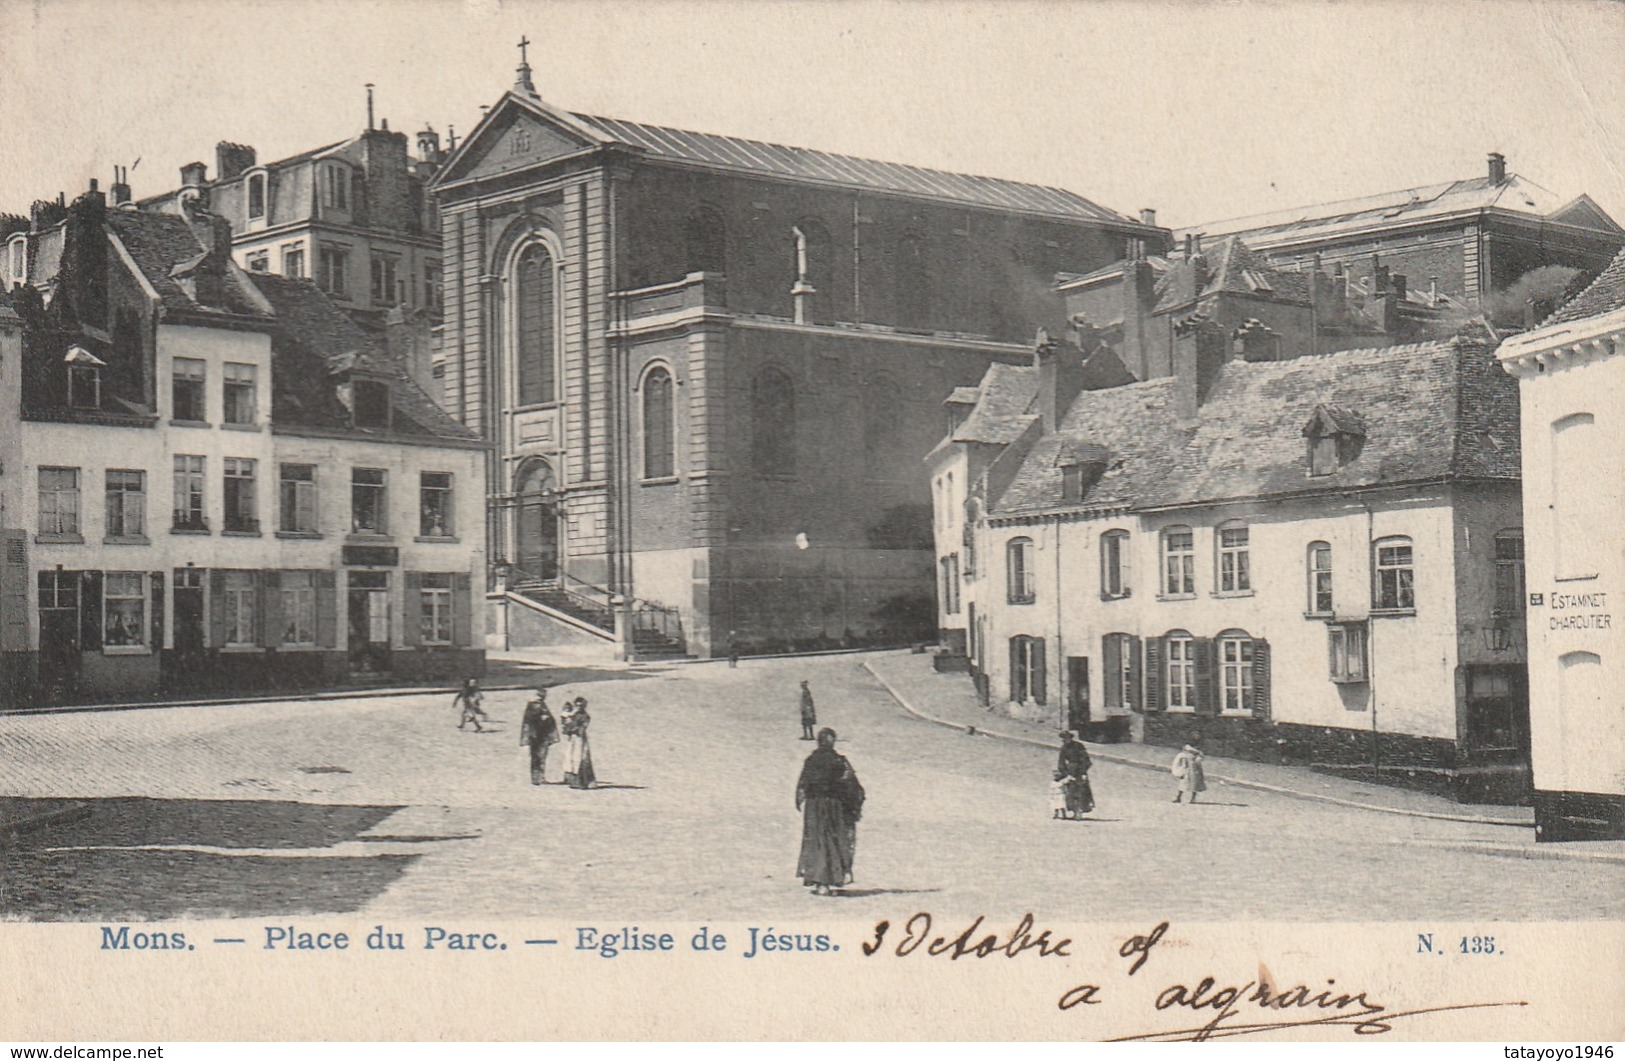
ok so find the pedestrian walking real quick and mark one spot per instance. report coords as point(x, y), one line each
point(539, 731)
point(578, 771)
point(809, 715)
point(733, 651)
point(1074, 763)
point(1188, 768)
point(467, 701)
point(831, 802)
point(1057, 795)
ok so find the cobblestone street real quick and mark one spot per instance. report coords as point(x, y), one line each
point(383, 806)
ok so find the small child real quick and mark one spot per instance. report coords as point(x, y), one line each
point(468, 699)
point(1187, 768)
point(1057, 795)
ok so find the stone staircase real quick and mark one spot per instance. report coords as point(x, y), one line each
point(656, 631)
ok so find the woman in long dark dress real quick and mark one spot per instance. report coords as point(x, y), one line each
point(578, 771)
point(831, 802)
point(1074, 766)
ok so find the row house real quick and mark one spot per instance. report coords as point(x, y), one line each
point(214, 479)
point(1313, 560)
point(1571, 376)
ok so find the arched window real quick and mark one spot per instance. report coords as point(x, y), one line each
point(882, 399)
point(1178, 562)
point(705, 240)
point(1579, 508)
point(1235, 656)
point(1114, 554)
point(773, 423)
point(909, 273)
point(658, 435)
point(1020, 581)
point(256, 196)
point(1232, 556)
point(535, 284)
point(1318, 567)
point(1395, 588)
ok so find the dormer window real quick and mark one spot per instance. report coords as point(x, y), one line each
point(1335, 437)
point(84, 378)
point(1082, 465)
point(370, 403)
point(256, 196)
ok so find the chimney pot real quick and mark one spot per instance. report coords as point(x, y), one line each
point(1498, 167)
point(192, 174)
point(1148, 216)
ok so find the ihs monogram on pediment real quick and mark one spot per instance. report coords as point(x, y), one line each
point(519, 142)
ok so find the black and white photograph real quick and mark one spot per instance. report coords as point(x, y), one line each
point(530, 483)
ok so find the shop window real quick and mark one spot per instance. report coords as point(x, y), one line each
point(124, 611)
point(298, 589)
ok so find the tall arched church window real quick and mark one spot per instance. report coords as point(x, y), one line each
point(773, 423)
point(535, 331)
point(882, 400)
point(705, 237)
point(909, 273)
point(659, 460)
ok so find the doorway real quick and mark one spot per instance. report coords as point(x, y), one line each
point(188, 619)
point(536, 533)
point(369, 622)
point(1077, 693)
point(58, 633)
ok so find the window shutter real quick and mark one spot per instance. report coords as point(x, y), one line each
point(1111, 654)
point(217, 607)
point(90, 611)
point(14, 591)
point(157, 640)
point(1040, 673)
point(1018, 691)
point(1155, 691)
point(1261, 679)
point(1133, 671)
point(327, 610)
point(270, 594)
point(462, 610)
point(412, 615)
point(1206, 702)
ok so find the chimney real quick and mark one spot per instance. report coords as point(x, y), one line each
point(1148, 216)
point(1199, 355)
point(1199, 272)
point(193, 175)
point(369, 106)
point(121, 185)
point(232, 160)
point(1433, 290)
point(1498, 168)
point(1379, 278)
point(1257, 341)
point(1060, 378)
point(1398, 285)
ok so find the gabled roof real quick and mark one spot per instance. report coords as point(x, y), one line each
point(1323, 220)
point(162, 247)
point(1438, 410)
point(1232, 268)
point(1605, 295)
point(314, 343)
point(735, 154)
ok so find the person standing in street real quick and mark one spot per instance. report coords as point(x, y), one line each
point(831, 802)
point(733, 650)
point(468, 702)
point(809, 715)
point(539, 731)
point(1188, 768)
point(578, 771)
point(1074, 764)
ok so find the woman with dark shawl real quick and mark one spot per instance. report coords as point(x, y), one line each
point(831, 801)
point(578, 771)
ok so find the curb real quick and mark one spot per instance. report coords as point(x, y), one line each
point(1534, 852)
point(71, 813)
point(293, 698)
point(1258, 786)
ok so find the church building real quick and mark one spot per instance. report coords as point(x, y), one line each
point(710, 367)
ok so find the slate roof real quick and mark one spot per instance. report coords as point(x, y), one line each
point(1003, 407)
point(1234, 268)
point(1321, 220)
point(1437, 410)
point(1605, 295)
point(157, 244)
point(755, 156)
point(313, 342)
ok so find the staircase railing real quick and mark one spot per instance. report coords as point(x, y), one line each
point(658, 619)
point(597, 603)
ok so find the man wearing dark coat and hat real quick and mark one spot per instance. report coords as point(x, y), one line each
point(539, 730)
point(831, 801)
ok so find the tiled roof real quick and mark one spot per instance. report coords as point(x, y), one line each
point(1235, 268)
point(1321, 220)
point(315, 340)
point(157, 244)
point(1430, 410)
point(755, 156)
point(1002, 409)
point(1605, 295)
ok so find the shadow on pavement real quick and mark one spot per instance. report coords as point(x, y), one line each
point(136, 859)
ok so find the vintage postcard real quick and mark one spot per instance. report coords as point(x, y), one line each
point(812, 521)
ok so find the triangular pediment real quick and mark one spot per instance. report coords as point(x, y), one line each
point(516, 134)
point(1584, 211)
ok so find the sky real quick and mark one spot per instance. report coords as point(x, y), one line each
point(1201, 110)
